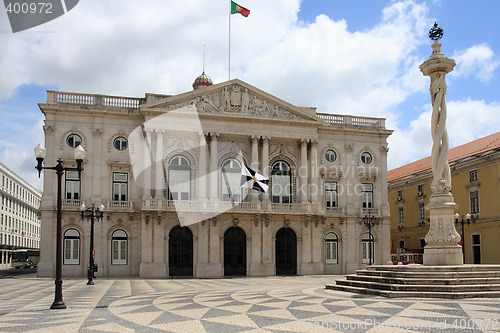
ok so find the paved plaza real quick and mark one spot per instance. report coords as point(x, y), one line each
point(267, 304)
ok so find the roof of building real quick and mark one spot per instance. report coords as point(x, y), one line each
point(479, 146)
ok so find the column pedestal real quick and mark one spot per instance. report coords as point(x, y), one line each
point(442, 238)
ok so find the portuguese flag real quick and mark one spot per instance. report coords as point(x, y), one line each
point(235, 9)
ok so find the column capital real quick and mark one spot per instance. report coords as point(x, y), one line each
point(314, 142)
point(254, 137)
point(214, 135)
point(266, 138)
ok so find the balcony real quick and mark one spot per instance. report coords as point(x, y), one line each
point(205, 206)
point(334, 211)
point(369, 212)
point(119, 205)
point(71, 204)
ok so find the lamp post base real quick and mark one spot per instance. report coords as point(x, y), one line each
point(58, 305)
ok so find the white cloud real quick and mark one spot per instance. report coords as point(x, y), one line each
point(479, 61)
point(467, 121)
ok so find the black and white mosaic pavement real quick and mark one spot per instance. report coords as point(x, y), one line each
point(268, 304)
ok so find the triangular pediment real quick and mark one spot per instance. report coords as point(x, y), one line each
point(236, 98)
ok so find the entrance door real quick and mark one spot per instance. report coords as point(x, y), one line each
point(286, 252)
point(180, 252)
point(235, 252)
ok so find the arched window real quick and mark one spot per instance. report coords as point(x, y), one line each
point(367, 244)
point(281, 182)
point(119, 247)
point(179, 178)
point(231, 181)
point(331, 247)
point(72, 247)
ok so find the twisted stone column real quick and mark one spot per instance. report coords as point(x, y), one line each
point(442, 238)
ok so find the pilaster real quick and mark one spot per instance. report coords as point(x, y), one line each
point(303, 171)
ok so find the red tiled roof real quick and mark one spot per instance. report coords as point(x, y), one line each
point(472, 148)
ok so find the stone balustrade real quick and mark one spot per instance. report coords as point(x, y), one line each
point(58, 97)
point(341, 120)
point(223, 206)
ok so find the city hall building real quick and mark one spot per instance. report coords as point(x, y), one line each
point(168, 171)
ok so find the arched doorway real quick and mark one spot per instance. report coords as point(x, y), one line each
point(286, 252)
point(235, 252)
point(180, 252)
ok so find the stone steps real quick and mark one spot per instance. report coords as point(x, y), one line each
point(429, 281)
point(462, 281)
point(417, 294)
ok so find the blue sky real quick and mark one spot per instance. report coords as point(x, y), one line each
point(356, 57)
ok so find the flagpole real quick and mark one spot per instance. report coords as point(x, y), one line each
point(229, 57)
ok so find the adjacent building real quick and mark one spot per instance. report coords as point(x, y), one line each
point(168, 171)
point(19, 218)
point(475, 171)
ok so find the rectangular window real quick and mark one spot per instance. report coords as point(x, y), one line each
point(331, 194)
point(474, 202)
point(231, 186)
point(120, 186)
point(367, 195)
point(401, 216)
point(367, 251)
point(179, 183)
point(119, 252)
point(420, 189)
point(476, 249)
point(400, 195)
point(71, 251)
point(72, 185)
point(331, 252)
point(473, 176)
point(421, 212)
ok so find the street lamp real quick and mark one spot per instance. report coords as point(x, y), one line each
point(79, 154)
point(91, 214)
point(462, 222)
point(369, 221)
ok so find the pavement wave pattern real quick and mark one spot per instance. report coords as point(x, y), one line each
point(268, 304)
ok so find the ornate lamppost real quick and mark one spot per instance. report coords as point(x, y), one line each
point(91, 214)
point(369, 221)
point(79, 154)
point(442, 239)
point(462, 222)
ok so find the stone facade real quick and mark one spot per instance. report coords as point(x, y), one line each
point(326, 173)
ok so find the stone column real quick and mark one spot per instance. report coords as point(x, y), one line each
point(254, 196)
point(265, 164)
point(202, 168)
point(97, 184)
point(146, 245)
point(442, 239)
point(303, 171)
point(160, 178)
point(314, 187)
point(147, 166)
point(213, 166)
